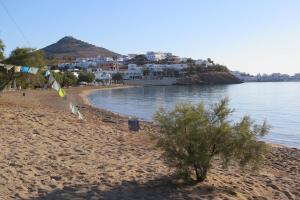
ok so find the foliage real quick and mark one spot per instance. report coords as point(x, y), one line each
point(209, 60)
point(117, 77)
point(5, 77)
point(69, 79)
point(2, 46)
point(192, 136)
point(86, 77)
point(26, 56)
point(193, 69)
point(59, 77)
point(190, 61)
point(39, 79)
point(139, 60)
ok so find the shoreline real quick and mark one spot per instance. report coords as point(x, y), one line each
point(86, 92)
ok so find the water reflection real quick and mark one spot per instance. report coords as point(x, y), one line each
point(277, 102)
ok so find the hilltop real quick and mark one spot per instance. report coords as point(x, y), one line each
point(68, 48)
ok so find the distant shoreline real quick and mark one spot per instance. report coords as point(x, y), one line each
point(87, 91)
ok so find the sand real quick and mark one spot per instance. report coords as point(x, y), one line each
point(47, 153)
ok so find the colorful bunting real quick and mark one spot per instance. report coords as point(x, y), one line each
point(61, 92)
point(51, 81)
point(17, 69)
point(55, 85)
point(24, 69)
point(73, 108)
point(47, 73)
point(75, 111)
point(8, 67)
point(33, 70)
point(80, 116)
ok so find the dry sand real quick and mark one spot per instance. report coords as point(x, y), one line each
point(47, 153)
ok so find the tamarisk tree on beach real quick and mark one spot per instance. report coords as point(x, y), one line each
point(192, 136)
point(24, 57)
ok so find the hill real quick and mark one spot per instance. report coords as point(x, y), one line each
point(69, 48)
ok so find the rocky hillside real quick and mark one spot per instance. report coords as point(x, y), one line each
point(69, 48)
point(210, 78)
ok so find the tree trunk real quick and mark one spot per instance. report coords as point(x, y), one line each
point(200, 173)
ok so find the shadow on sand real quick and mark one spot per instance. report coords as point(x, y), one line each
point(161, 188)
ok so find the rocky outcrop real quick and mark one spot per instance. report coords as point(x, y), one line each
point(209, 78)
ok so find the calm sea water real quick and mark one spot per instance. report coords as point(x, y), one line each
point(278, 103)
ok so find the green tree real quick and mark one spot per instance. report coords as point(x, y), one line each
point(86, 77)
point(117, 77)
point(69, 79)
point(190, 70)
point(2, 47)
point(190, 61)
point(59, 77)
point(26, 56)
point(210, 61)
point(39, 79)
point(192, 136)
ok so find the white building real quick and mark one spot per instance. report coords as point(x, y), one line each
point(103, 76)
point(156, 56)
point(133, 72)
point(161, 67)
point(131, 56)
point(200, 62)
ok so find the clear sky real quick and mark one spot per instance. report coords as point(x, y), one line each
point(247, 35)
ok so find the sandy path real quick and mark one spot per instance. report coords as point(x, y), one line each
point(47, 153)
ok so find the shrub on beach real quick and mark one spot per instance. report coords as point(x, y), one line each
point(191, 136)
point(69, 79)
point(86, 77)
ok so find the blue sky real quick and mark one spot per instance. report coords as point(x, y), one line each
point(247, 35)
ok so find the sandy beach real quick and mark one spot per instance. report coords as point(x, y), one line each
point(47, 153)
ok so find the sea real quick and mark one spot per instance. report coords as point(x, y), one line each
point(276, 102)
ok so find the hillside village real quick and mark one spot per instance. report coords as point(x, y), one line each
point(152, 64)
point(70, 54)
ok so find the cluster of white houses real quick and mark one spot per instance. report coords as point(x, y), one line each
point(105, 67)
point(134, 71)
point(276, 77)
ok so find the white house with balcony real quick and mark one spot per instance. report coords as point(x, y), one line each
point(133, 72)
point(102, 76)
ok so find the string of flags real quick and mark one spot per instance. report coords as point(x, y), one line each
point(51, 81)
point(22, 69)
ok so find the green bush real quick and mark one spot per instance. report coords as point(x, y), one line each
point(39, 79)
point(69, 79)
point(86, 77)
point(59, 77)
point(191, 136)
point(117, 77)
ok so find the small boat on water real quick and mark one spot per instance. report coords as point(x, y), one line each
point(152, 82)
